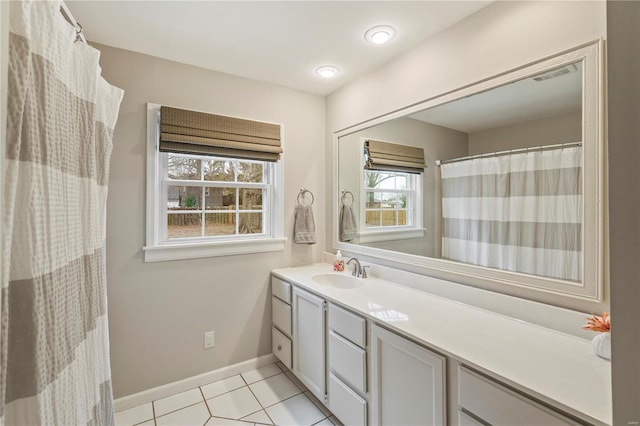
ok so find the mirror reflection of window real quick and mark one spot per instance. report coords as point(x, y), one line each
point(389, 199)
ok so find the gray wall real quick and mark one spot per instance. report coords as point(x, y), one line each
point(438, 142)
point(623, 19)
point(159, 311)
point(499, 37)
point(546, 131)
point(4, 70)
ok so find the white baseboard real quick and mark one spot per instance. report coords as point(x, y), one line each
point(169, 389)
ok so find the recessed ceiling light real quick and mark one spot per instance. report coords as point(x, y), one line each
point(380, 34)
point(327, 71)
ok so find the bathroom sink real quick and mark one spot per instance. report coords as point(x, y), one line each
point(338, 281)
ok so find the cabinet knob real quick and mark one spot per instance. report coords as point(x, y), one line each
point(279, 347)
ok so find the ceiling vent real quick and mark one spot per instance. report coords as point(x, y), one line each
point(567, 69)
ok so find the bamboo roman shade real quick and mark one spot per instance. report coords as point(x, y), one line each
point(394, 157)
point(189, 132)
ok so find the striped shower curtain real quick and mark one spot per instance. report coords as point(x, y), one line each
point(54, 353)
point(520, 212)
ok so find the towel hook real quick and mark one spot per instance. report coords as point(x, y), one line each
point(301, 194)
point(344, 195)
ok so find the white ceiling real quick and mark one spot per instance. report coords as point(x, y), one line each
point(281, 42)
point(523, 100)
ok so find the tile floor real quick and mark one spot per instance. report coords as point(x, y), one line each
point(270, 395)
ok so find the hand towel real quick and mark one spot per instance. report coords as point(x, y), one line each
point(348, 228)
point(304, 227)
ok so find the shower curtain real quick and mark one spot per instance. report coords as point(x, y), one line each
point(54, 354)
point(520, 212)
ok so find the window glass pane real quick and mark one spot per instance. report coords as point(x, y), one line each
point(249, 172)
point(184, 225)
point(372, 217)
point(372, 200)
point(402, 182)
point(250, 199)
point(389, 200)
point(378, 180)
point(181, 167)
point(184, 197)
point(402, 200)
point(220, 198)
point(369, 177)
point(220, 224)
point(250, 223)
point(389, 217)
point(402, 217)
point(218, 170)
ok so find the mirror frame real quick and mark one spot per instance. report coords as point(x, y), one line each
point(593, 171)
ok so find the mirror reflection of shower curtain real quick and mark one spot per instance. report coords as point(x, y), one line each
point(54, 356)
point(519, 212)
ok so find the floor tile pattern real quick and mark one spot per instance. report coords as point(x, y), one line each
point(270, 395)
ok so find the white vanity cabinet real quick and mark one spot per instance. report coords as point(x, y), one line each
point(407, 381)
point(309, 341)
point(373, 356)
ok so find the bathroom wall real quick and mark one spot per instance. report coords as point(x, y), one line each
point(438, 143)
point(546, 131)
point(4, 70)
point(502, 36)
point(158, 312)
point(623, 102)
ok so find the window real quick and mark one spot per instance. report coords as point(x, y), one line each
point(389, 199)
point(213, 197)
point(209, 205)
point(391, 192)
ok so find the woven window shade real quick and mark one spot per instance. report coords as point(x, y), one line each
point(189, 132)
point(394, 157)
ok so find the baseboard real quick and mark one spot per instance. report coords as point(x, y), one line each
point(169, 389)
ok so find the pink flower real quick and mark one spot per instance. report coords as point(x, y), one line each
point(599, 323)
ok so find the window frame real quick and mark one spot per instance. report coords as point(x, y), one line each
point(415, 229)
point(159, 248)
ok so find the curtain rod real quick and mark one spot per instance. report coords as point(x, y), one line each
point(510, 151)
point(64, 10)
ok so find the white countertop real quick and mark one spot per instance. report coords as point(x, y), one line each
point(552, 366)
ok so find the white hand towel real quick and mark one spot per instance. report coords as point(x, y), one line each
point(304, 227)
point(348, 227)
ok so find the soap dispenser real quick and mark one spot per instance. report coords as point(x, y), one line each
point(338, 262)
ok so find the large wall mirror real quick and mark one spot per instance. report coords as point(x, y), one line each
point(499, 180)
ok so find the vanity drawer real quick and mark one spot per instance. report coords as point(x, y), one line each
point(466, 420)
point(281, 347)
point(347, 406)
point(348, 361)
point(281, 289)
point(498, 405)
point(348, 325)
point(281, 313)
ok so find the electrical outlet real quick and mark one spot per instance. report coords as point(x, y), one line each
point(209, 339)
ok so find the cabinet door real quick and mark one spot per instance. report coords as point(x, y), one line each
point(407, 382)
point(309, 341)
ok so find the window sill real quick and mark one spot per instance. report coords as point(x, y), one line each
point(390, 235)
point(166, 252)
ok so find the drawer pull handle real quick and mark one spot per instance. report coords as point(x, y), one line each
point(279, 347)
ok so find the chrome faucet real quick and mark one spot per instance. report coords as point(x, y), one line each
point(358, 270)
